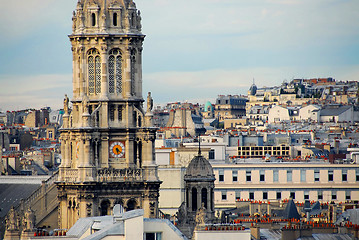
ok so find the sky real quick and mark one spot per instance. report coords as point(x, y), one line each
point(194, 49)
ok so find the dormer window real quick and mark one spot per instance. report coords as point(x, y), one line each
point(93, 19)
point(115, 19)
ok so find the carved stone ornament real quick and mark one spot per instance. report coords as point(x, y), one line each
point(29, 220)
point(201, 216)
point(66, 104)
point(12, 220)
point(149, 102)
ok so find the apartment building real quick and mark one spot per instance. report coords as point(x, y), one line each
point(274, 181)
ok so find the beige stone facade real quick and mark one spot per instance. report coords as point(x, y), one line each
point(277, 181)
point(107, 142)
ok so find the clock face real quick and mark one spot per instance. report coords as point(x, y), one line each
point(117, 150)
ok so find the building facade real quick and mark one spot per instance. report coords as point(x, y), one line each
point(107, 142)
point(277, 181)
point(230, 107)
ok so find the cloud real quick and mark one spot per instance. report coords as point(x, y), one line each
point(38, 91)
point(200, 86)
point(24, 17)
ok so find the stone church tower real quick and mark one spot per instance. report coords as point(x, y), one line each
point(198, 207)
point(107, 142)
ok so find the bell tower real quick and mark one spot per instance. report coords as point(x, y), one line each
point(107, 140)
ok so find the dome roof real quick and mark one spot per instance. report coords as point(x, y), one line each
point(199, 169)
point(253, 89)
point(208, 106)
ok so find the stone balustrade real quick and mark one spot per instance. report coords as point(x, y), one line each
point(114, 175)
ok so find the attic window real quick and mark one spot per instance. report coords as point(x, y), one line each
point(93, 18)
point(115, 19)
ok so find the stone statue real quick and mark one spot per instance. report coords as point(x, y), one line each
point(201, 216)
point(28, 220)
point(66, 104)
point(149, 102)
point(85, 105)
point(74, 19)
point(182, 214)
point(12, 220)
point(139, 19)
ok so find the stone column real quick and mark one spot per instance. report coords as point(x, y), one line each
point(82, 71)
point(104, 82)
point(199, 197)
point(127, 71)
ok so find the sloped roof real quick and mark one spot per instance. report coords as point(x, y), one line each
point(334, 111)
point(291, 210)
point(11, 194)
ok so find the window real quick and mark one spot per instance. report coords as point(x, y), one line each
point(248, 176)
point(234, 175)
point(344, 175)
point(357, 175)
point(316, 175)
point(289, 175)
point(221, 175)
point(119, 113)
point(93, 19)
point(115, 19)
point(112, 112)
point(238, 195)
point(251, 195)
point(224, 195)
point(279, 195)
point(330, 175)
point(275, 175)
point(303, 175)
point(347, 195)
point(94, 72)
point(262, 175)
point(204, 197)
point(306, 195)
point(115, 71)
point(194, 199)
point(153, 236)
point(320, 195)
point(211, 154)
point(334, 195)
point(265, 195)
point(292, 195)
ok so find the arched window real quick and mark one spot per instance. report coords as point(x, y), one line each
point(133, 20)
point(131, 205)
point(115, 71)
point(93, 19)
point(94, 72)
point(115, 19)
point(104, 207)
point(204, 197)
point(194, 199)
